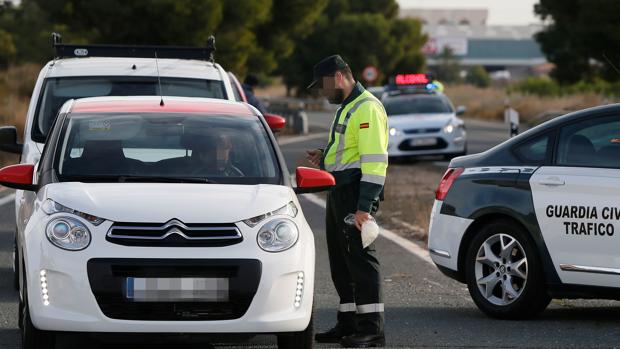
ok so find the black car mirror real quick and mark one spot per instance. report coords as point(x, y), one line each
point(8, 140)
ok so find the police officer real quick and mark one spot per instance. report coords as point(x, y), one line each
point(356, 155)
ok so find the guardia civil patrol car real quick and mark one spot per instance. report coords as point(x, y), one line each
point(536, 217)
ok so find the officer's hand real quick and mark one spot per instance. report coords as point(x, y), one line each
point(360, 218)
point(314, 156)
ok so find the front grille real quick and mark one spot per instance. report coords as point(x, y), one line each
point(417, 131)
point(174, 234)
point(406, 146)
point(107, 278)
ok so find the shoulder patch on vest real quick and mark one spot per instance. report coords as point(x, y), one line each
point(365, 125)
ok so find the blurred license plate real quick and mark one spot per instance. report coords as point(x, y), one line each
point(417, 142)
point(176, 289)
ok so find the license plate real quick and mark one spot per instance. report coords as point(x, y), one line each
point(176, 289)
point(418, 142)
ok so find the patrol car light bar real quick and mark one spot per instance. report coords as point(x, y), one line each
point(138, 51)
point(411, 79)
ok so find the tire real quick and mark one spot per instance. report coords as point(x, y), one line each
point(297, 340)
point(504, 257)
point(33, 338)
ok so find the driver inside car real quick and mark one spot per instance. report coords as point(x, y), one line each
point(211, 156)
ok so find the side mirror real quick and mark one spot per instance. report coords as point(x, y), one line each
point(275, 122)
point(18, 177)
point(460, 110)
point(8, 140)
point(311, 180)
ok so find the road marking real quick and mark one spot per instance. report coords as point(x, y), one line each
point(5, 200)
point(298, 139)
point(412, 247)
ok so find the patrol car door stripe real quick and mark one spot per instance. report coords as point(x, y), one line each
point(370, 308)
point(586, 269)
point(374, 158)
point(373, 179)
point(347, 307)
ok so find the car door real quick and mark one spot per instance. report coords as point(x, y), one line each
point(577, 203)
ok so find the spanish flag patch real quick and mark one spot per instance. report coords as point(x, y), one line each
point(365, 125)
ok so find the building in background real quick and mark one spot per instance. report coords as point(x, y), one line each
point(506, 52)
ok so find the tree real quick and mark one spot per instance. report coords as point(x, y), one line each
point(363, 33)
point(581, 38)
point(479, 77)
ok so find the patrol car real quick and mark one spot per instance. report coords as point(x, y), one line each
point(536, 217)
point(173, 217)
point(422, 121)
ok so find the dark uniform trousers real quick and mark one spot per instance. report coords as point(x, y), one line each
point(354, 270)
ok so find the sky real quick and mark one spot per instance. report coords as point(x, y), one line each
point(501, 12)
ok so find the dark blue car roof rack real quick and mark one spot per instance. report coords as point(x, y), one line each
point(138, 51)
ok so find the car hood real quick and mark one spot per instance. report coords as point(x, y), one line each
point(408, 121)
point(161, 202)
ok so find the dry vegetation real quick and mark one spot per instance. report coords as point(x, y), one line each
point(16, 85)
point(488, 103)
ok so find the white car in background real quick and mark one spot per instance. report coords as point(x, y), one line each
point(163, 218)
point(424, 123)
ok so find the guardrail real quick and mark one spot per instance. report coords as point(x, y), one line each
point(294, 111)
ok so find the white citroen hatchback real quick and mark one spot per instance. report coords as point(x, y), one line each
point(164, 216)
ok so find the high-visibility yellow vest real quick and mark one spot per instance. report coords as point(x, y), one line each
point(357, 148)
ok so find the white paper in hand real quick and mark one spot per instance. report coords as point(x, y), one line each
point(370, 231)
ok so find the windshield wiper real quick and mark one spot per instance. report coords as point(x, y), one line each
point(157, 179)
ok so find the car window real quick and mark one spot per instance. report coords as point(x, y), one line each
point(57, 91)
point(591, 143)
point(417, 104)
point(108, 147)
point(533, 151)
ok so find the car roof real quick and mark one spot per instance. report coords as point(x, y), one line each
point(115, 66)
point(152, 104)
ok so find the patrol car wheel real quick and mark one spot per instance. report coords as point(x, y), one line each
point(502, 272)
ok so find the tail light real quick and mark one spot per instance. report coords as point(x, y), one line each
point(446, 182)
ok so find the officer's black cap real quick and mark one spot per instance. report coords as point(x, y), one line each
point(326, 67)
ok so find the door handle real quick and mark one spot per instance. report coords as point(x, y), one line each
point(552, 182)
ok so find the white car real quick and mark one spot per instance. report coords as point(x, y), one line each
point(424, 123)
point(535, 217)
point(171, 218)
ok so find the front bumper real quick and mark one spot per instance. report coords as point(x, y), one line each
point(84, 293)
point(453, 143)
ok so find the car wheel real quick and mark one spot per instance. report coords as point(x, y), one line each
point(503, 272)
point(301, 340)
point(33, 338)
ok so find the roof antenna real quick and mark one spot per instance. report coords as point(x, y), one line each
point(161, 102)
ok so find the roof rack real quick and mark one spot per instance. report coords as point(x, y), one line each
point(139, 51)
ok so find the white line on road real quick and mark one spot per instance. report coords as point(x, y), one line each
point(298, 139)
point(7, 199)
point(408, 245)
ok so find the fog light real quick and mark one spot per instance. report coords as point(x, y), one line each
point(44, 291)
point(299, 290)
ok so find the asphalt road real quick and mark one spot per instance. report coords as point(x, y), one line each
point(423, 307)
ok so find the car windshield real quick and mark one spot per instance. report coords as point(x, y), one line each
point(165, 147)
point(56, 91)
point(417, 104)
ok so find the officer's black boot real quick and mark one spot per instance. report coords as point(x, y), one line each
point(334, 335)
point(361, 340)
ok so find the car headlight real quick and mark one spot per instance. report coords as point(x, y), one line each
point(50, 206)
point(449, 128)
point(394, 132)
point(288, 210)
point(68, 233)
point(277, 235)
